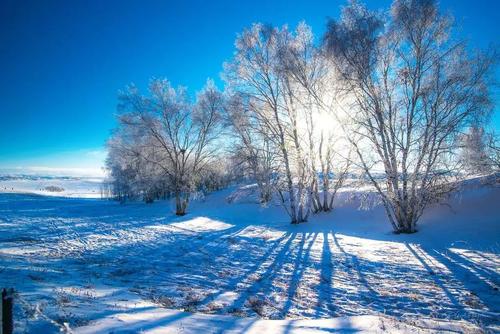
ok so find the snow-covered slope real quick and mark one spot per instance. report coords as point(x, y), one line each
point(96, 266)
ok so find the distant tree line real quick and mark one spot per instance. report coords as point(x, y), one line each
point(392, 93)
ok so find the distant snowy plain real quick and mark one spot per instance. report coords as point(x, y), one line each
point(69, 186)
point(87, 265)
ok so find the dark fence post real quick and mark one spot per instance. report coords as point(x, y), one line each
point(7, 311)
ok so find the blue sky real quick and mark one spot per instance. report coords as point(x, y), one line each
point(63, 62)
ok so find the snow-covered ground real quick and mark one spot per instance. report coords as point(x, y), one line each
point(69, 186)
point(96, 266)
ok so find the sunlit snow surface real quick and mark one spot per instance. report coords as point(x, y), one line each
point(99, 266)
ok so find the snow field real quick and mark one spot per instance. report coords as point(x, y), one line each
point(90, 265)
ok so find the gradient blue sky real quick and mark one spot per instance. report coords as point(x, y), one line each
point(63, 62)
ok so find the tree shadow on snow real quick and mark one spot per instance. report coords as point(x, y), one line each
point(310, 270)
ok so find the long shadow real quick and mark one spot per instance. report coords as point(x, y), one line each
point(365, 299)
point(436, 279)
point(470, 282)
point(273, 267)
point(355, 264)
point(475, 268)
point(325, 286)
point(232, 283)
point(300, 266)
point(484, 256)
point(196, 245)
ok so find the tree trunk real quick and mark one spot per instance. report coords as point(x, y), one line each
point(180, 203)
point(406, 224)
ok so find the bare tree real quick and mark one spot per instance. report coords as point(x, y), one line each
point(409, 88)
point(309, 81)
point(253, 148)
point(176, 136)
point(333, 170)
point(255, 74)
point(278, 80)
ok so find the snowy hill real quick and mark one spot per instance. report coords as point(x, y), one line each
point(96, 266)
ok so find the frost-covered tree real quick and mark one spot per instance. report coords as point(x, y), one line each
point(258, 76)
point(169, 135)
point(474, 151)
point(277, 82)
point(409, 88)
point(331, 175)
point(133, 177)
point(122, 171)
point(309, 82)
point(493, 149)
point(255, 74)
point(253, 148)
